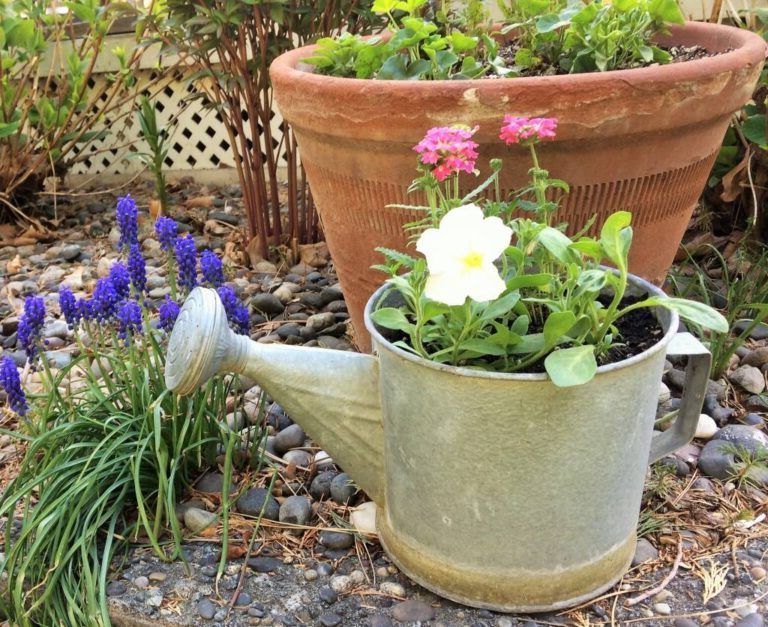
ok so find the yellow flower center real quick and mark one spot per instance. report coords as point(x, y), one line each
point(472, 261)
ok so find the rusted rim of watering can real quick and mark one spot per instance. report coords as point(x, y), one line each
point(672, 323)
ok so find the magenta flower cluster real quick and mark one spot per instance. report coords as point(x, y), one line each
point(520, 130)
point(449, 149)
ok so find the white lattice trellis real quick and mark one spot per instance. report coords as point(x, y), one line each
point(199, 141)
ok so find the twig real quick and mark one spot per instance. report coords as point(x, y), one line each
point(665, 582)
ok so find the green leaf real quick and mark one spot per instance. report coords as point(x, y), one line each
point(8, 128)
point(398, 68)
point(432, 309)
point(22, 34)
point(589, 247)
point(550, 22)
point(571, 366)
point(558, 244)
point(693, 311)
point(592, 280)
point(532, 343)
point(666, 11)
point(391, 318)
point(501, 306)
point(528, 280)
point(616, 238)
point(557, 325)
point(754, 129)
point(524, 58)
point(461, 42)
point(482, 347)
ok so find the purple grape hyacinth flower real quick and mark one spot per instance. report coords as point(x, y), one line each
point(169, 311)
point(137, 269)
point(11, 383)
point(237, 313)
point(69, 307)
point(121, 280)
point(129, 318)
point(166, 230)
point(127, 222)
point(211, 268)
point(186, 260)
point(103, 305)
point(31, 325)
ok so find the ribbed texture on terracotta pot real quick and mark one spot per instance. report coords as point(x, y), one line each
point(641, 140)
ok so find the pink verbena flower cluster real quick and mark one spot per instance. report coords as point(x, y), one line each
point(450, 149)
point(519, 129)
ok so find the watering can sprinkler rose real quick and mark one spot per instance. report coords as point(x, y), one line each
point(505, 449)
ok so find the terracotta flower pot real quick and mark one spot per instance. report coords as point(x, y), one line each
point(643, 140)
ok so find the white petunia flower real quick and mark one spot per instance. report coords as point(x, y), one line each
point(460, 255)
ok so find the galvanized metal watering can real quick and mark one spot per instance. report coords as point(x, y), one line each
point(499, 491)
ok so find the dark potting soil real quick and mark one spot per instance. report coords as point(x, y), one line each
point(638, 331)
point(678, 53)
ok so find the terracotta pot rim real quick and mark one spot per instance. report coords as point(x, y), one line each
point(633, 280)
point(749, 48)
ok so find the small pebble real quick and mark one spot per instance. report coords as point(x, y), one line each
point(295, 510)
point(328, 595)
point(310, 575)
point(157, 576)
point(141, 582)
point(342, 488)
point(341, 583)
point(662, 608)
point(329, 619)
point(751, 620)
point(115, 588)
point(757, 573)
point(336, 539)
point(392, 588)
point(706, 427)
point(744, 608)
point(644, 552)
point(413, 611)
point(324, 569)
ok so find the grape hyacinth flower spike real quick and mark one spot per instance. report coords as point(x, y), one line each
point(211, 268)
point(69, 307)
point(103, 305)
point(121, 280)
point(11, 383)
point(186, 260)
point(137, 269)
point(129, 319)
point(169, 311)
point(31, 325)
point(237, 313)
point(166, 230)
point(127, 222)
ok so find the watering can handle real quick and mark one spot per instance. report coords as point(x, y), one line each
point(696, 376)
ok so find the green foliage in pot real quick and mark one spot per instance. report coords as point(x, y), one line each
point(230, 44)
point(50, 110)
point(109, 449)
point(547, 37)
point(501, 287)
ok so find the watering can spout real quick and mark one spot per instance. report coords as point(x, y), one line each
point(333, 395)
